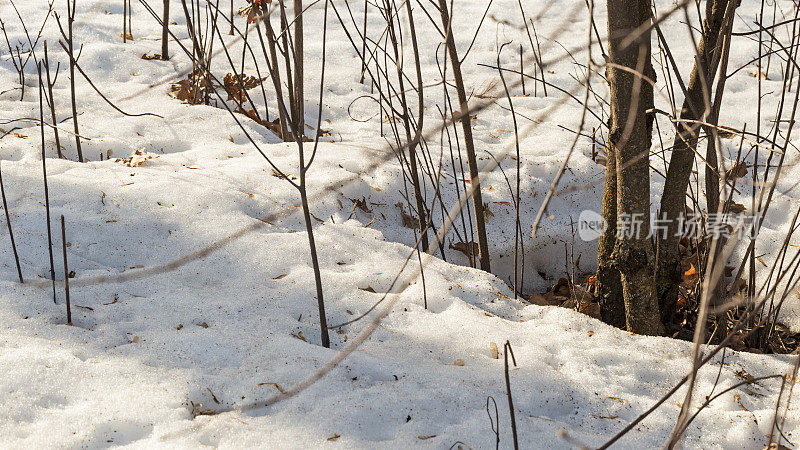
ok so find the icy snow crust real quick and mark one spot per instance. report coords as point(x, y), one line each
point(227, 326)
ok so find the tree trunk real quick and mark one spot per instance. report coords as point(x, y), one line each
point(630, 137)
point(609, 284)
point(696, 106)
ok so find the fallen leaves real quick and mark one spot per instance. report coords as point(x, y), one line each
point(273, 126)
point(237, 85)
point(192, 89)
point(137, 159)
point(570, 295)
point(493, 351)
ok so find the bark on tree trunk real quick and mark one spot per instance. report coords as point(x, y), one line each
point(630, 137)
point(696, 106)
point(609, 284)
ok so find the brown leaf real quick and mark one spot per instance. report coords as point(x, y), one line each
point(726, 132)
point(493, 351)
point(191, 89)
point(690, 274)
point(334, 437)
point(300, 336)
point(562, 287)
point(254, 10)
point(547, 299)
point(737, 171)
point(409, 221)
point(736, 208)
point(136, 160)
point(277, 174)
point(276, 385)
point(469, 249)
point(591, 309)
point(361, 204)
point(237, 85)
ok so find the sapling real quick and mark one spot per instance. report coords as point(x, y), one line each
point(165, 32)
point(66, 269)
point(8, 222)
point(507, 350)
point(46, 191)
point(124, 21)
point(464, 113)
point(51, 100)
point(70, 49)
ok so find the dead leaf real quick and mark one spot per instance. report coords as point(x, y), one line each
point(137, 159)
point(690, 274)
point(487, 212)
point(199, 410)
point(469, 249)
point(276, 385)
point(737, 171)
point(252, 11)
point(192, 89)
point(334, 437)
point(409, 221)
point(547, 299)
point(493, 351)
point(277, 174)
point(279, 276)
point(274, 126)
point(459, 362)
point(237, 85)
point(736, 208)
point(368, 289)
point(726, 132)
point(424, 437)
point(300, 336)
point(591, 309)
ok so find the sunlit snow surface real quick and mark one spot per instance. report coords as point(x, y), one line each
point(227, 326)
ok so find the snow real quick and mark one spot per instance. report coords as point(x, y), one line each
point(144, 350)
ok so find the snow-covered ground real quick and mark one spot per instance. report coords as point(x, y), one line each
point(240, 324)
